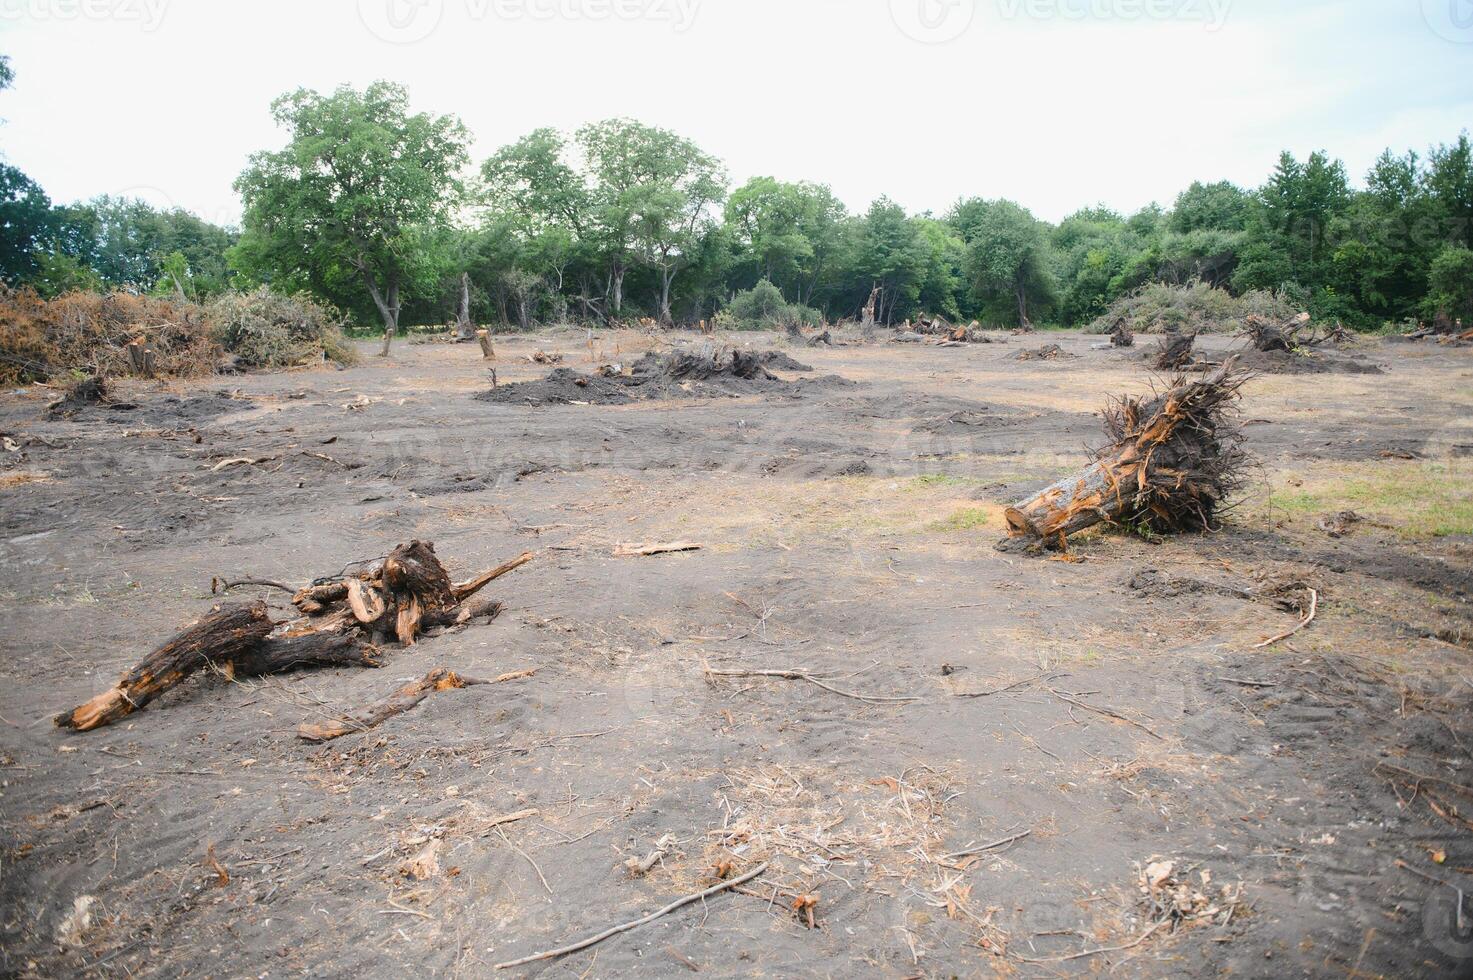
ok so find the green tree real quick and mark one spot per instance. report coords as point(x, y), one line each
point(1222, 206)
point(1449, 181)
point(359, 195)
point(1007, 254)
point(651, 190)
point(1450, 284)
point(27, 225)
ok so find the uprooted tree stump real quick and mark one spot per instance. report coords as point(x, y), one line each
point(1268, 336)
point(1122, 335)
point(1172, 460)
point(1174, 352)
point(406, 596)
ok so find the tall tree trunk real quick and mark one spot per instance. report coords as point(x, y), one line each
point(616, 288)
point(464, 329)
point(1022, 307)
point(666, 275)
point(388, 307)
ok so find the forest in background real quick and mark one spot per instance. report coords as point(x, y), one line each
point(381, 212)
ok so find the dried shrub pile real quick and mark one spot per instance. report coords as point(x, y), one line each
point(1195, 308)
point(265, 330)
point(89, 333)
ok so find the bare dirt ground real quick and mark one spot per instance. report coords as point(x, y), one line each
point(1313, 798)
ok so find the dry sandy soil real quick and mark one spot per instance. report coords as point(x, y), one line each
point(1311, 797)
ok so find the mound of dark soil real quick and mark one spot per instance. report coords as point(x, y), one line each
point(1318, 362)
point(699, 373)
point(782, 362)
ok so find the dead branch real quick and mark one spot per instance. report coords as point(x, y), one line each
point(370, 717)
point(464, 590)
point(1314, 605)
point(1107, 712)
point(629, 550)
point(616, 930)
point(798, 675)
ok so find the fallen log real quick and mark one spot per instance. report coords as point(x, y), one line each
point(227, 633)
point(1171, 462)
point(282, 654)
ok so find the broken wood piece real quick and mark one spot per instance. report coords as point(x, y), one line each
point(495, 822)
point(639, 867)
point(464, 590)
point(368, 604)
point(633, 550)
point(225, 634)
point(411, 694)
point(1314, 605)
point(625, 927)
point(376, 714)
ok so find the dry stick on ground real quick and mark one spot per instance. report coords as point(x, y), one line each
point(464, 590)
point(1314, 605)
point(397, 703)
point(798, 675)
point(1107, 712)
point(1046, 675)
point(219, 584)
point(375, 714)
point(625, 550)
point(1096, 952)
point(227, 633)
point(969, 852)
point(615, 930)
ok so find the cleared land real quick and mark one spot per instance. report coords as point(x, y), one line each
point(1126, 719)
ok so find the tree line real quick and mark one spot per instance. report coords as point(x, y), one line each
point(381, 211)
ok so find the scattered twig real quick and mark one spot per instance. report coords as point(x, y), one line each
point(507, 818)
point(1107, 712)
point(1104, 949)
point(969, 852)
point(615, 930)
point(540, 876)
point(1314, 605)
point(219, 585)
point(798, 675)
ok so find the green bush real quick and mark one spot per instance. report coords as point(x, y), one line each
point(266, 330)
point(1159, 308)
point(763, 308)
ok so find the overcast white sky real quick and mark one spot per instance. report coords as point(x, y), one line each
point(1054, 103)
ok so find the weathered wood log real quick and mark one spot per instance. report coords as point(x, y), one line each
point(1171, 462)
point(419, 584)
point(397, 703)
point(227, 633)
point(283, 654)
point(1266, 336)
point(316, 599)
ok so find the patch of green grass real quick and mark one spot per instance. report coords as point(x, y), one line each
point(966, 519)
point(1423, 500)
point(927, 480)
